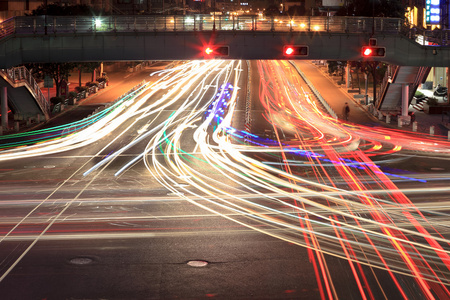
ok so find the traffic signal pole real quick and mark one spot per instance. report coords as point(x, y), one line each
point(4, 106)
point(374, 75)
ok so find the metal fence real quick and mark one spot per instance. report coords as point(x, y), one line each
point(145, 23)
point(22, 74)
point(52, 25)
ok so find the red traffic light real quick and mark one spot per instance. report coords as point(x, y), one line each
point(295, 50)
point(288, 50)
point(369, 51)
point(213, 51)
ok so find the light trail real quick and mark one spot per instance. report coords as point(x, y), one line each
point(316, 184)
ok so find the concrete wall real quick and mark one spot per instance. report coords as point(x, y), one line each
point(190, 45)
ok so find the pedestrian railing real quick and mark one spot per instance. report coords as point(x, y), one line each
point(144, 23)
point(18, 76)
point(53, 25)
point(80, 95)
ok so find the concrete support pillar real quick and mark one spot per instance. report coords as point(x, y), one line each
point(448, 85)
point(347, 75)
point(405, 100)
point(405, 118)
point(366, 88)
point(380, 116)
point(4, 106)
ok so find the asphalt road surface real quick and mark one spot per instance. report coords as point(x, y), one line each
point(201, 184)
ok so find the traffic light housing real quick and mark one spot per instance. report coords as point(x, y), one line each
point(216, 51)
point(295, 50)
point(371, 51)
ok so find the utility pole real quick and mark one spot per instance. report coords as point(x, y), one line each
point(214, 16)
point(374, 75)
point(45, 17)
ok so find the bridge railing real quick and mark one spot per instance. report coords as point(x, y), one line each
point(145, 23)
point(22, 74)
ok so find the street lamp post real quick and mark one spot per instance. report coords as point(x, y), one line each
point(45, 17)
point(214, 15)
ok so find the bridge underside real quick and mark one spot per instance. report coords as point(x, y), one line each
point(16, 50)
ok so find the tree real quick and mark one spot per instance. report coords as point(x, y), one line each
point(58, 72)
point(88, 67)
point(373, 8)
point(296, 10)
point(61, 71)
point(337, 66)
point(57, 9)
point(376, 69)
point(272, 10)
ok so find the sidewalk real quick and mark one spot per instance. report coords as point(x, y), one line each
point(336, 96)
point(120, 82)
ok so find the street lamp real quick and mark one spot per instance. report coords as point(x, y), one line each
point(214, 15)
point(45, 18)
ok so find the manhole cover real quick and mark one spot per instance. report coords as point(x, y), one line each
point(197, 263)
point(81, 260)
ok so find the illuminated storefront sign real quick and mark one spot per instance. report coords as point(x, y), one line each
point(433, 12)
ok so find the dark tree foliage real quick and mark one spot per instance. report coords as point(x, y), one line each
point(61, 71)
point(272, 10)
point(296, 10)
point(373, 8)
point(56, 9)
point(88, 67)
point(58, 72)
point(335, 66)
point(376, 69)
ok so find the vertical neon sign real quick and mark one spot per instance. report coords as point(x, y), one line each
point(433, 12)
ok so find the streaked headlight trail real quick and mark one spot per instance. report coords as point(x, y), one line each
point(316, 182)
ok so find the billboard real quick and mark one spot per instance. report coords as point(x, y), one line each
point(433, 12)
point(333, 3)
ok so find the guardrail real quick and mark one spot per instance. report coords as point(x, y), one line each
point(81, 95)
point(315, 91)
point(39, 25)
point(145, 23)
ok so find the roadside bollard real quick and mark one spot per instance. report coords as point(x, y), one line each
point(16, 126)
point(414, 126)
point(28, 121)
point(380, 116)
point(1, 132)
point(38, 118)
point(399, 122)
point(431, 130)
point(449, 135)
point(388, 119)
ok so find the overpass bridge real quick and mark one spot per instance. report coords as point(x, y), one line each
point(141, 37)
point(52, 39)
